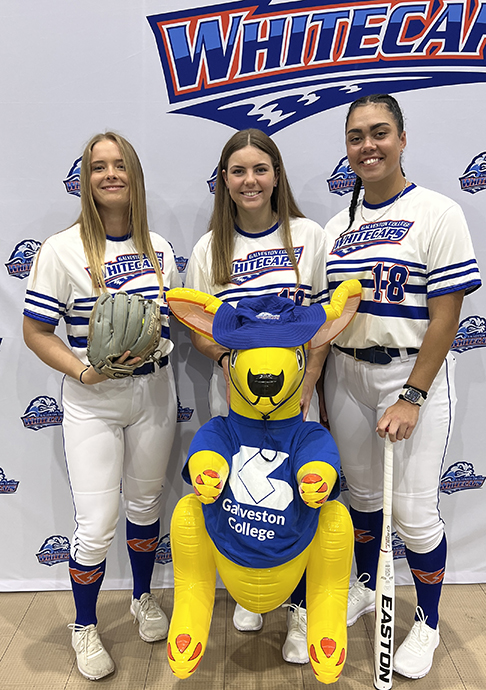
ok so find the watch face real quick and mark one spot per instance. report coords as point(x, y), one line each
point(412, 395)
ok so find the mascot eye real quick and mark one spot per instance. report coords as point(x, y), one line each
point(300, 358)
point(233, 358)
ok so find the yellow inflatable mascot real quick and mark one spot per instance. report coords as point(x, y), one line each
point(262, 477)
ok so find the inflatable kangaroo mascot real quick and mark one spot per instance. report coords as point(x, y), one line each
point(262, 511)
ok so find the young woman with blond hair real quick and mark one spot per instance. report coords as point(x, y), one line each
point(114, 430)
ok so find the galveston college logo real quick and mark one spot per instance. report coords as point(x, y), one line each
point(41, 412)
point(459, 477)
point(261, 65)
point(22, 258)
point(73, 180)
point(470, 335)
point(54, 550)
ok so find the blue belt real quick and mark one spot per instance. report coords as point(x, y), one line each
point(375, 355)
point(149, 367)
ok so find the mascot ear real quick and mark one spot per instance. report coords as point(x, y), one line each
point(195, 309)
point(344, 303)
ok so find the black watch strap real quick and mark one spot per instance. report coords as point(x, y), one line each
point(412, 395)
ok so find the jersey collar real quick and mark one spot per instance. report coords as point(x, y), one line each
point(257, 234)
point(389, 201)
point(124, 238)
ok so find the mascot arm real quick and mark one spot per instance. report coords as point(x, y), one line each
point(208, 471)
point(316, 480)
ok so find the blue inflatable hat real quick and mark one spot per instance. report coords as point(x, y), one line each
point(268, 321)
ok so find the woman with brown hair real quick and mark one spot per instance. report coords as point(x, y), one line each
point(114, 429)
point(259, 243)
point(391, 372)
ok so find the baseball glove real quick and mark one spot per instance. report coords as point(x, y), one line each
point(118, 323)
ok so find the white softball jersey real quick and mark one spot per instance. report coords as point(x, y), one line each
point(418, 249)
point(261, 266)
point(60, 286)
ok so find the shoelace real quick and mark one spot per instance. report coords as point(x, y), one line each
point(356, 591)
point(298, 622)
point(419, 634)
point(88, 637)
point(149, 607)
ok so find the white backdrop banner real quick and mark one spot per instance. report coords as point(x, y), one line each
point(177, 83)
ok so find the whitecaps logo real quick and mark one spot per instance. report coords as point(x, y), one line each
point(21, 259)
point(474, 178)
point(181, 261)
point(184, 414)
point(212, 181)
point(470, 335)
point(342, 179)
point(459, 477)
point(270, 65)
point(73, 179)
point(54, 550)
point(344, 483)
point(163, 553)
point(7, 486)
point(398, 547)
point(42, 411)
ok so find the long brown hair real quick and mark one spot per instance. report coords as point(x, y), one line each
point(91, 227)
point(224, 213)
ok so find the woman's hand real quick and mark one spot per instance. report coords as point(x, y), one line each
point(89, 376)
point(398, 421)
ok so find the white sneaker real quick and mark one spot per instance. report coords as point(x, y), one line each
point(94, 662)
point(361, 599)
point(246, 621)
point(295, 646)
point(413, 659)
point(153, 623)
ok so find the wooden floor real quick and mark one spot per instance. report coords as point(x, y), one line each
point(35, 649)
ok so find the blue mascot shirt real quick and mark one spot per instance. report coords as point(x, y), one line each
point(260, 520)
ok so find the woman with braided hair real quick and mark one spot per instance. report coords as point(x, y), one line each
point(114, 429)
point(391, 371)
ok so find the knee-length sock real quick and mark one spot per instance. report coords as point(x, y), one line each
point(428, 571)
point(142, 542)
point(86, 582)
point(367, 540)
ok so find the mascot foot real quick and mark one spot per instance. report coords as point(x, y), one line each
point(185, 654)
point(327, 659)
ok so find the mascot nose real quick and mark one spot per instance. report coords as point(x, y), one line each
point(265, 385)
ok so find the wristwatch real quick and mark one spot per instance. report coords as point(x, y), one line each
point(412, 395)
